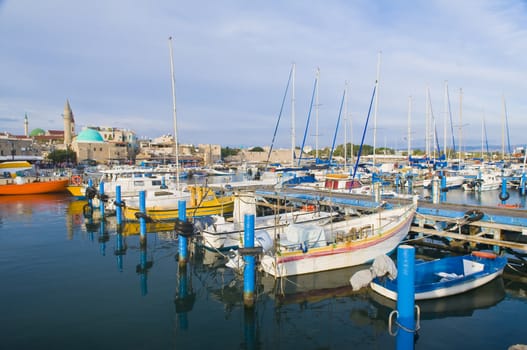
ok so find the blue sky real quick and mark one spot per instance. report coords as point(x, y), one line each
point(110, 58)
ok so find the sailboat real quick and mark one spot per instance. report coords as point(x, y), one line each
point(200, 200)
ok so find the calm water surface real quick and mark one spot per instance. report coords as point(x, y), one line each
point(71, 284)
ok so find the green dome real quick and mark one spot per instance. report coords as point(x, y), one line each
point(89, 135)
point(37, 132)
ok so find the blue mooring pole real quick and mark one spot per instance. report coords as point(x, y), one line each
point(101, 202)
point(142, 220)
point(183, 241)
point(118, 209)
point(249, 274)
point(522, 184)
point(504, 194)
point(405, 297)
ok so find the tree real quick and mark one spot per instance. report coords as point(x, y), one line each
point(256, 149)
point(226, 152)
point(62, 156)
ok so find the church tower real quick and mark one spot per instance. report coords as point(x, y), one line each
point(26, 126)
point(69, 124)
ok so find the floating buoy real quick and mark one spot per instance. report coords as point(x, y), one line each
point(503, 196)
point(486, 255)
point(76, 180)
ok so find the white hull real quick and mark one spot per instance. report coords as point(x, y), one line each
point(441, 292)
point(389, 228)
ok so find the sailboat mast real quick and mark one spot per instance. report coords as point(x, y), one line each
point(345, 124)
point(445, 117)
point(173, 79)
point(293, 141)
point(460, 123)
point(316, 114)
point(409, 127)
point(377, 82)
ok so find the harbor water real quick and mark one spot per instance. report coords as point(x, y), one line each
point(69, 283)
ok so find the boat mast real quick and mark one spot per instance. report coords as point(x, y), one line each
point(409, 127)
point(316, 114)
point(345, 124)
point(376, 105)
point(445, 117)
point(174, 108)
point(460, 124)
point(293, 117)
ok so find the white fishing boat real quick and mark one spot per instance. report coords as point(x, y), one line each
point(484, 182)
point(223, 235)
point(304, 249)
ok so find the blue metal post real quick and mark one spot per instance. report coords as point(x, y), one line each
point(183, 241)
point(101, 202)
point(405, 297)
point(249, 275)
point(522, 185)
point(410, 184)
point(142, 220)
point(504, 193)
point(118, 209)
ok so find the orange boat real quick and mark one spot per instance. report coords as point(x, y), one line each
point(35, 187)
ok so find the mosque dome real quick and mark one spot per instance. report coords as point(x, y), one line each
point(37, 132)
point(89, 136)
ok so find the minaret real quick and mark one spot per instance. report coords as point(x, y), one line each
point(26, 126)
point(68, 122)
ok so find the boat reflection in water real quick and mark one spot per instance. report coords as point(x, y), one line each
point(460, 305)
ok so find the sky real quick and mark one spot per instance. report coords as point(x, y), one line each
point(111, 60)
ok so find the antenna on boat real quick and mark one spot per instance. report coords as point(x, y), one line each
point(174, 108)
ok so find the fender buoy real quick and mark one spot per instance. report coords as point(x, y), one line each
point(485, 255)
point(76, 180)
point(503, 196)
point(473, 215)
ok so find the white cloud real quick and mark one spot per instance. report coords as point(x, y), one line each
point(232, 59)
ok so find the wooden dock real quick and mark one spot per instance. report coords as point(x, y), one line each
point(495, 226)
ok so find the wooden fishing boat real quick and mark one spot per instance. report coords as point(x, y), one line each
point(304, 249)
point(220, 234)
point(201, 201)
point(447, 276)
point(19, 186)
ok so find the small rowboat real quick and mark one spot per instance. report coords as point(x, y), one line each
point(447, 276)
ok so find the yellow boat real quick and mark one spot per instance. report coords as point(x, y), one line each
point(202, 201)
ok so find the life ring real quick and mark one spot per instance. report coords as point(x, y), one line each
point(503, 196)
point(76, 180)
point(308, 207)
point(486, 255)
